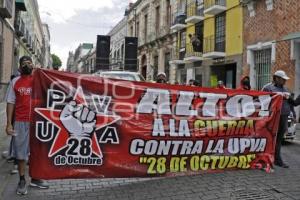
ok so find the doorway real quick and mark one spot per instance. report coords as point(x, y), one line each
point(225, 73)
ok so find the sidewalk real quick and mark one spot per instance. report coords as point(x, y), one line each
point(230, 185)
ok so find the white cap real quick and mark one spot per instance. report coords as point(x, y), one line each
point(281, 74)
point(162, 73)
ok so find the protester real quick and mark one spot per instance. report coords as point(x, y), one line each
point(245, 83)
point(191, 82)
point(279, 80)
point(221, 85)
point(197, 83)
point(18, 100)
point(161, 77)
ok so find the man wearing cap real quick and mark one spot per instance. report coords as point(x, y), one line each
point(161, 77)
point(18, 100)
point(279, 80)
point(221, 85)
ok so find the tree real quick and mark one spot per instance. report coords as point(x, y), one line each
point(56, 62)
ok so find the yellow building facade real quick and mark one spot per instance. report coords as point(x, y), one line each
point(209, 44)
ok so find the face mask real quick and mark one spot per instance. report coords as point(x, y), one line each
point(26, 70)
point(246, 82)
point(161, 81)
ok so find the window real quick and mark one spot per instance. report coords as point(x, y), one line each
point(155, 68)
point(168, 7)
point(220, 32)
point(182, 39)
point(199, 34)
point(157, 18)
point(182, 6)
point(131, 30)
point(146, 28)
point(167, 65)
point(262, 65)
point(137, 29)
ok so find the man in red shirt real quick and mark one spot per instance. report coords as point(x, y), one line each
point(18, 100)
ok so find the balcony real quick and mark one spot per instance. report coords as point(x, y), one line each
point(25, 38)
point(179, 22)
point(193, 53)
point(178, 56)
point(214, 47)
point(19, 27)
point(214, 7)
point(195, 13)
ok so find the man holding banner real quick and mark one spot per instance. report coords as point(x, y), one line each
point(279, 80)
point(18, 100)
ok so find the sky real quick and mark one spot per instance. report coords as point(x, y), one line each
point(72, 22)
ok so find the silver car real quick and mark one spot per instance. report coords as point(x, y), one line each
point(124, 75)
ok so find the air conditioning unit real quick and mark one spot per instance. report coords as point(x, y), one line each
point(6, 8)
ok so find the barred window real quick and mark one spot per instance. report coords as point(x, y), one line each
point(220, 32)
point(262, 64)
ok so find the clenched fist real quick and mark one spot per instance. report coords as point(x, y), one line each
point(79, 120)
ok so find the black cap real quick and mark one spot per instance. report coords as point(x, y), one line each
point(24, 58)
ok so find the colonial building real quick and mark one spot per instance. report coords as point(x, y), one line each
point(150, 21)
point(272, 41)
point(46, 50)
point(89, 62)
point(117, 44)
point(29, 32)
point(216, 26)
point(77, 61)
point(70, 62)
point(7, 8)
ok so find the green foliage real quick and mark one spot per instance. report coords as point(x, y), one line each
point(56, 62)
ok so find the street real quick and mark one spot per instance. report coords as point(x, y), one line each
point(249, 184)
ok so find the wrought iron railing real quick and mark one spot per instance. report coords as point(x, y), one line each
point(212, 43)
point(179, 17)
point(193, 9)
point(177, 54)
point(194, 50)
point(210, 3)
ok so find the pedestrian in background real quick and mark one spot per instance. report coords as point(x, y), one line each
point(195, 42)
point(161, 77)
point(277, 86)
point(221, 85)
point(18, 109)
point(245, 83)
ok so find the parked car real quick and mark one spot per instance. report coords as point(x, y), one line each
point(291, 132)
point(124, 75)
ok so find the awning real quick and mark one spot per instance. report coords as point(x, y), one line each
point(20, 5)
point(291, 36)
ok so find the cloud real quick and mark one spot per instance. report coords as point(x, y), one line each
point(72, 22)
point(60, 11)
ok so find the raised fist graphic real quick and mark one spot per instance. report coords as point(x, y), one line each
point(79, 120)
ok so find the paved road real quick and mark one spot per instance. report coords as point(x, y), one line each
point(243, 185)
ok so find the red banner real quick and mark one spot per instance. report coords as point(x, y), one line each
point(87, 126)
